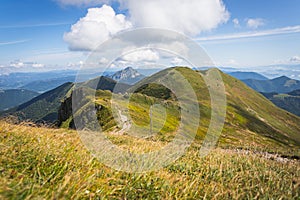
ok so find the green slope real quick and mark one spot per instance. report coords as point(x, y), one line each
point(251, 119)
point(105, 83)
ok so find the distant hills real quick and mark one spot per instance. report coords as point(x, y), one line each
point(45, 107)
point(127, 75)
point(249, 114)
point(289, 102)
point(281, 84)
point(47, 84)
point(247, 75)
point(15, 97)
point(19, 80)
point(284, 92)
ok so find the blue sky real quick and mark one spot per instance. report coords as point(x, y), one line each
point(33, 31)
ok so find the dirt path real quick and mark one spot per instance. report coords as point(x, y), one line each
point(266, 155)
point(126, 124)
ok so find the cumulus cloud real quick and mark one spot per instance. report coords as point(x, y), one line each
point(295, 59)
point(97, 26)
point(189, 17)
point(255, 23)
point(141, 55)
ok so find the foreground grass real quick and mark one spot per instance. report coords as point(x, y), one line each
point(41, 163)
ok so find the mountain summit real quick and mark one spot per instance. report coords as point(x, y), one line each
point(127, 75)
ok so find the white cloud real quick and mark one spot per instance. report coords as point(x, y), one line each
point(19, 64)
point(177, 61)
point(236, 22)
point(97, 26)
point(141, 55)
point(255, 23)
point(295, 59)
point(190, 17)
point(38, 65)
point(103, 61)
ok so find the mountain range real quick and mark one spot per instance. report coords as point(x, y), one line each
point(45, 107)
point(249, 114)
point(289, 101)
point(281, 84)
point(15, 97)
point(247, 75)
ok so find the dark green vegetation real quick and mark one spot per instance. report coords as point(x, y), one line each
point(289, 102)
point(43, 108)
point(15, 97)
point(247, 75)
point(105, 83)
point(282, 84)
point(155, 90)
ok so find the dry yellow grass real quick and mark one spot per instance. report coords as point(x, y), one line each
point(42, 163)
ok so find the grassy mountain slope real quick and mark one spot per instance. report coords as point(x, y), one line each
point(41, 163)
point(105, 83)
point(38, 163)
point(280, 85)
point(15, 97)
point(251, 120)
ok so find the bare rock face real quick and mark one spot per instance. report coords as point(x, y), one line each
point(127, 75)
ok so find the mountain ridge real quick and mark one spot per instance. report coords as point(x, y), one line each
point(280, 84)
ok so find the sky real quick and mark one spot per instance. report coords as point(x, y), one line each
point(56, 34)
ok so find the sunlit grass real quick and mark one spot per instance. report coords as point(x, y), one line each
point(41, 163)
